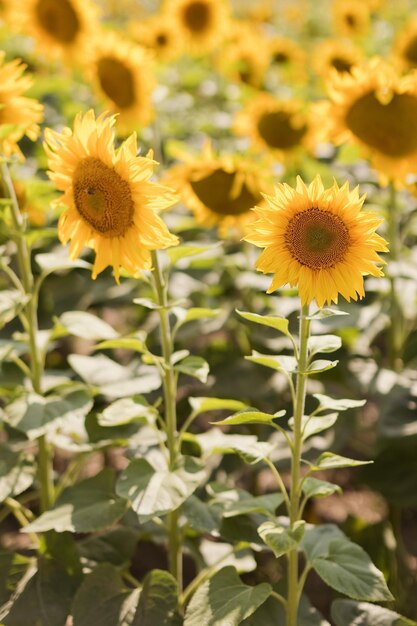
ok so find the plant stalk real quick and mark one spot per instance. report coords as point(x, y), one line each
point(293, 581)
point(170, 393)
point(396, 318)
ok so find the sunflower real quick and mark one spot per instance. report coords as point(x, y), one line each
point(319, 240)
point(19, 115)
point(60, 27)
point(282, 126)
point(200, 24)
point(351, 17)
point(405, 48)
point(122, 74)
point(220, 190)
point(245, 58)
point(286, 55)
point(157, 34)
point(376, 109)
point(335, 54)
point(110, 200)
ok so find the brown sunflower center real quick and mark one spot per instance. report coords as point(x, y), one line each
point(280, 57)
point(317, 239)
point(350, 20)
point(410, 51)
point(390, 128)
point(215, 191)
point(161, 40)
point(197, 16)
point(102, 197)
point(340, 64)
point(278, 131)
point(58, 19)
point(116, 81)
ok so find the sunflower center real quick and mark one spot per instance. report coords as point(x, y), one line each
point(116, 81)
point(215, 191)
point(317, 239)
point(350, 20)
point(410, 52)
point(59, 19)
point(161, 40)
point(340, 64)
point(278, 131)
point(102, 197)
point(280, 58)
point(197, 16)
point(390, 128)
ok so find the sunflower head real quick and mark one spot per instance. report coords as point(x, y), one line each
point(220, 190)
point(122, 74)
point(245, 58)
point(287, 56)
point(334, 54)
point(405, 48)
point(318, 240)
point(157, 34)
point(351, 18)
point(19, 115)
point(110, 201)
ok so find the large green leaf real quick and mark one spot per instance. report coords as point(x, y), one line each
point(203, 404)
point(225, 600)
point(281, 539)
point(328, 460)
point(349, 612)
point(85, 325)
point(248, 446)
point(89, 506)
point(323, 343)
point(126, 411)
point(158, 491)
point(158, 601)
point(272, 613)
point(281, 363)
point(314, 488)
point(273, 321)
point(17, 472)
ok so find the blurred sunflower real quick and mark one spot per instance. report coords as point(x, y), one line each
point(122, 74)
point(351, 17)
point(245, 58)
point(200, 24)
point(19, 115)
point(60, 27)
point(287, 55)
point(405, 48)
point(220, 190)
point(317, 239)
point(334, 54)
point(376, 109)
point(158, 35)
point(111, 203)
point(282, 126)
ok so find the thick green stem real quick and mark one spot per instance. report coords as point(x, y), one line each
point(293, 582)
point(45, 471)
point(396, 317)
point(170, 395)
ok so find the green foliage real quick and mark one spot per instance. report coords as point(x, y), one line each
point(347, 612)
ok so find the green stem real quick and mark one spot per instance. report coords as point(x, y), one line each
point(293, 582)
point(36, 361)
point(170, 393)
point(396, 318)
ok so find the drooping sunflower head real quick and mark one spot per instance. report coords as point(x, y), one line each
point(220, 190)
point(123, 75)
point(200, 23)
point(286, 55)
point(351, 18)
point(61, 28)
point(158, 34)
point(334, 54)
point(405, 48)
point(19, 115)
point(376, 109)
point(318, 240)
point(280, 126)
point(110, 201)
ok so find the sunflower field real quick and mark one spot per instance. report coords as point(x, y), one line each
point(208, 313)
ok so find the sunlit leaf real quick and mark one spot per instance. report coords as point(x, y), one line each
point(273, 321)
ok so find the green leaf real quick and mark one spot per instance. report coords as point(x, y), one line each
point(271, 613)
point(12, 302)
point(263, 505)
point(57, 261)
point(328, 460)
point(324, 343)
point(158, 601)
point(314, 488)
point(225, 600)
point(203, 404)
point(349, 612)
point(117, 546)
point(321, 365)
point(194, 366)
point(325, 402)
point(248, 446)
point(126, 411)
point(89, 506)
point(154, 492)
point(86, 325)
point(184, 316)
point(314, 425)
point(17, 472)
point(323, 314)
point(273, 321)
point(317, 539)
point(187, 250)
point(281, 539)
point(348, 569)
point(135, 343)
point(250, 417)
point(147, 303)
point(201, 516)
point(280, 363)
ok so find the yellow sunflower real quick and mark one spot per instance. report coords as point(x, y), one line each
point(351, 17)
point(123, 75)
point(245, 58)
point(282, 126)
point(220, 190)
point(286, 55)
point(200, 24)
point(376, 109)
point(111, 203)
point(158, 35)
point(405, 48)
point(335, 54)
point(319, 240)
point(19, 115)
point(60, 27)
